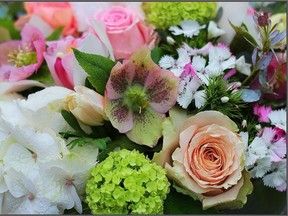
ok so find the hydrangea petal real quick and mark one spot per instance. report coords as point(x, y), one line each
point(146, 130)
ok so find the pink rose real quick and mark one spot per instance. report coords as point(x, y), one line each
point(208, 162)
point(126, 30)
point(56, 14)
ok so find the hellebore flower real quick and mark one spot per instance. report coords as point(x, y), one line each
point(137, 96)
point(20, 59)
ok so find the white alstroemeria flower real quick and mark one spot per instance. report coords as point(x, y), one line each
point(220, 59)
point(262, 167)
point(214, 31)
point(23, 197)
point(175, 66)
point(277, 179)
point(278, 118)
point(242, 66)
point(189, 28)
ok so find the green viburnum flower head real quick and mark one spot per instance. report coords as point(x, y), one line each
point(127, 183)
point(166, 14)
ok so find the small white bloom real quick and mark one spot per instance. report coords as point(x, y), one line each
point(242, 66)
point(277, 179)
point(244, 124)
point(189, 28)
point(200, 98)
point(258, 127)
point(262, 167)
point(214, 31)
point(256, 150)
point(175, 66)
point(224, 99)
point(198, 63)
point(170, 40)
point(278, 118)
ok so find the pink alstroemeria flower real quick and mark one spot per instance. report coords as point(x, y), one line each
point(262, 112)
point(20, 59)
point(138, 94)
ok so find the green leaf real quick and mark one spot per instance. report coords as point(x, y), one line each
point(178, 203)
point(42, 75)
point(97, 67)
point(9, 25)
point(56, 34)
point(156, 54)
point(242, 31)
point(101, 143)
point(72, 121)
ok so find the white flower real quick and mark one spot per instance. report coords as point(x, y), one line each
point(256, 150)
point(262, 167)
point(242, 66)
point(224, 99)
point(277, 179)
point(23, 197)
point(187, 89)
point(170, 40)
point(278, 118)
point(220, 59)
point(175, 66)
point(3, 186)
point(214, 31)
point(194, 51)
point(199, 64)
point(189, 28)
point(200, 98)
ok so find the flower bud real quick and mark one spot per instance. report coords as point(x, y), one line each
point(244, 124)
point(170, 40)
point(86, 105)
point(225, 99)
point(258, 127)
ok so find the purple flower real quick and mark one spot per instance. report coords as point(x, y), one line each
point(20, 59)
point(137, 96)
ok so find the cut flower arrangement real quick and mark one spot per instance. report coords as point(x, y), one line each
point(142, 107)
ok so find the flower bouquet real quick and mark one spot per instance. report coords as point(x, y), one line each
point(143, 108)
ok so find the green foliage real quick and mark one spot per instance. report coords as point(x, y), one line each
point(72, 121)
point(42, 75)
point(156, 54)
point(97, 67)
point(178, 203)
point(217, 89)
point(242, 31)
point(56, 34)
point(9, 25)
point(101, 143)
point(127, 182)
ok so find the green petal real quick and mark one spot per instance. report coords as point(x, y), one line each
point(146, 127)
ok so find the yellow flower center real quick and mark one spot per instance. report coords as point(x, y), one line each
point(22, 57)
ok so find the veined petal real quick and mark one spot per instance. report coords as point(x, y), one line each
point(119, 114)
point(146, 130)
point(162, 88)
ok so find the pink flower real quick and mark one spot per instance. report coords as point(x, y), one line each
point(262, 112)
point(203, 155)
point(138, 94)
point(126, 30)
point(56, 14)
point(64, 67)
point(20, 59)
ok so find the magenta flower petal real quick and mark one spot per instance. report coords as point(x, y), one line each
point(61, 72)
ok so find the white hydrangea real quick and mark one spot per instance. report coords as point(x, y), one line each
point(38, 174)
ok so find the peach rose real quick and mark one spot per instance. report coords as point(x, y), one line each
point(208, 162)
point(56, 14)
point(126, 30)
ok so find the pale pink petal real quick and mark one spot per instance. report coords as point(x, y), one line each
point(7, 47)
